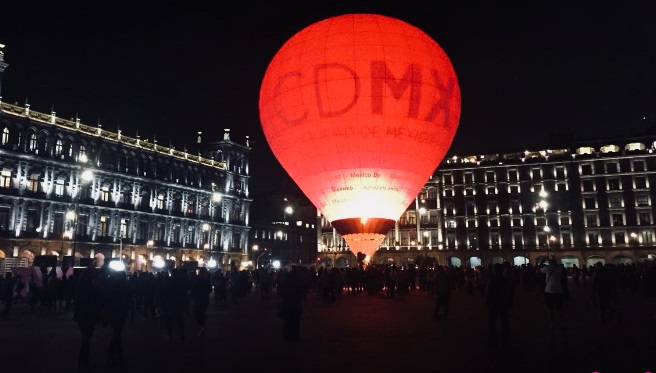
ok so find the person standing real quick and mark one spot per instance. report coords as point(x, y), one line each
point(200, 294)
point(87, 311)
point(499, 299)
point(7, 295)
point(553, 291)
point(290, 291)
point(120, 303)
point(442, 292)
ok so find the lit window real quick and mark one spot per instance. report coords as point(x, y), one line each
point(104, 226)
point(59, 187)
point(58, 147)
point(5, 179)
point(5, 136)
point(33, 142)
point(104, 194)
point(160, 201)
point(33, 183)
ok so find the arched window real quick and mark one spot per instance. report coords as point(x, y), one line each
point(5, 136)
point(33, 142)
point(58, 147)
point(82, 154)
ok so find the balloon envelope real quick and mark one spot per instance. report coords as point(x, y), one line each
point(360, 109)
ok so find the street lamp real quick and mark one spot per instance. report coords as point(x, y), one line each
point(257, 261)
point(288, 211)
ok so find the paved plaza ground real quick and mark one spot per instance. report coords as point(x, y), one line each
point(358, 333)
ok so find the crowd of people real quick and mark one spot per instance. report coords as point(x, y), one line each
point(99, 296)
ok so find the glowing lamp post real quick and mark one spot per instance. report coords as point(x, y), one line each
point(359, 110)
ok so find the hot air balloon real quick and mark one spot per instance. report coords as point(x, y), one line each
point(359, 110)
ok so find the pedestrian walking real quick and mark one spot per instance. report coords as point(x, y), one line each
point(553, 291)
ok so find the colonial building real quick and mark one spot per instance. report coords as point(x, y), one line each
point(70, 189)
point(591, 202)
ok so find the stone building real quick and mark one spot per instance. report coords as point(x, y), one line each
point(591, 202)
point(70, 189)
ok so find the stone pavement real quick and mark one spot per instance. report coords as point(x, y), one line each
point(358, 333)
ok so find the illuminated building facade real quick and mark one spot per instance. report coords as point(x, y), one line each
point(69, 189)
point(592, 202)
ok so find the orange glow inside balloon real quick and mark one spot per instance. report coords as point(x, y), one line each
point(359, 110)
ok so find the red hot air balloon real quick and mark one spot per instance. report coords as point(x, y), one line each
point(360, 109)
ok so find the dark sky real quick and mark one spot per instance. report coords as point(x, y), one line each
point(529, 74)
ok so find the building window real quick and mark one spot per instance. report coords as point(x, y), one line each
point(593, 239)
point(451, 223)
point(59, 187)
point(448, 209)
point(175, 233)
point(5, 179)
point(492, 207)
point(589, 203)
point(451, 241)
point(587, 185)
point(566, 238)
point(82, 154)
point(494, 239)
point(614, 184)
point(491, 190)
point(104, 194)
point(518, 239)
point(489, 176)
point(644, 218)
point(586, 169)
point(615, 201)
point(471, 223)
point(642, 199)
point(517, 222)
point(469, 191)
point(471, 210)
point(514, 190)
point(160, 201)
point(33, 183)
point(191, 206)
point(617, 219)
point(32, 142)
point(564, 220)
point(560, 172)
point(640, 182)
point(5, 136)
point(591, 220)
point(58, 147)
point(472, 239)
point(620, 238)
point(448, 180)
point(124, 228)
point(4, 219)
point(104, 226)
point(494, 223)
point(647, 237)
point(469, 178)
point(513, 175)
point(536, 174)
point(638, 166)
point(448, 192)
point(160, 234)
point(541, 222)
point(612, 167)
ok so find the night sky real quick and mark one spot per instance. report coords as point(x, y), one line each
point(532, 76)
